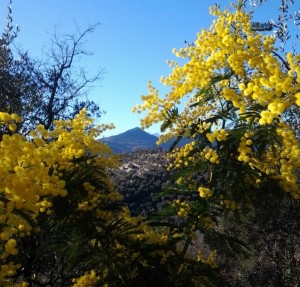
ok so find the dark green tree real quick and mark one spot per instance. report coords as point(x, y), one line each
point(19, 91)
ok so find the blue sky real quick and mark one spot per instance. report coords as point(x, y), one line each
point(132, 43)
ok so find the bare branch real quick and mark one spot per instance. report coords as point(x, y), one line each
point(62, 81)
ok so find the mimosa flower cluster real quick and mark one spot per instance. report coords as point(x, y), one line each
point(32, 171)
point(89, 279)
point(231, 68)
point(39, 168)
point(211, 259)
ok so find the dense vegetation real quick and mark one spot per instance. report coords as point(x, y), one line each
point(225, 210)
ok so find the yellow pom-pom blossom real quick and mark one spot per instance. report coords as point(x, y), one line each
point(5, 117)
point(211, 259)
point(31, 175)
point(205, 192)
point(89, 279)
point(182, 207)
point(249, 75)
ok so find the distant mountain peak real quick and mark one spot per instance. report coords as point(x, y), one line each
point(134, 139)
point(139, 130)
point(131, 140)
point(136, 129)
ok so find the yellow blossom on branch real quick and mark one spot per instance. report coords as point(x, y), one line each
point(232, 69)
